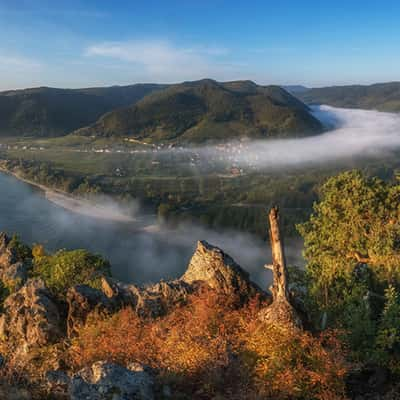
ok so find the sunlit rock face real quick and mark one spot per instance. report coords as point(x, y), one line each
point(219, 271)
point(209, 267)
point(13, 269)
point(103, 381)
point(82, 300)
point(31, 316)
point(34, 319)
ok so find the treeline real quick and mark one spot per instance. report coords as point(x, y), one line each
point(238, 202)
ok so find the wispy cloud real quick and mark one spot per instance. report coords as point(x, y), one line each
point(54, 12)
point(18, 62)
point(163, 60)
point(271, 50)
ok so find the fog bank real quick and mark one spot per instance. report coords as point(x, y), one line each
point(353, 133)
point(138, 254)
point(143, 251)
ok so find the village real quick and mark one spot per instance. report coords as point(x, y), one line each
point(226, 159)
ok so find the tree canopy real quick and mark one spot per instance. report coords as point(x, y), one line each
point(65, 268)
point(352, 249)
point(356, 222)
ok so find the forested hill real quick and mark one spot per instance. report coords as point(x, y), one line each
point(380, 96)
point(48, 111)
point(208, 110)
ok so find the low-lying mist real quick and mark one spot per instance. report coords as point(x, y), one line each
point(143, 251)
point(140, 251)
point(96, 206)
point(351, 133)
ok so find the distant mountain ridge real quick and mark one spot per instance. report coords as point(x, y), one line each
point(45, 111)
point(294, 89)
point(206, 110)
point(379, 96)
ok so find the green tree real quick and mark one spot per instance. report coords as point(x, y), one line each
point(352, 249)
point(356, 222)
point(65, 268)
point(388, 336)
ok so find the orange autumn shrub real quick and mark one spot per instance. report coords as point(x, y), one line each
point(291, 364)
point(209, 348)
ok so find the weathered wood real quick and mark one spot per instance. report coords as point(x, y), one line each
point(281, 311)
point(279, 270)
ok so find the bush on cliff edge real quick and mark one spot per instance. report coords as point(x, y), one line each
point(65, 269)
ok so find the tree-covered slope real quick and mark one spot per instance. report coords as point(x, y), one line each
point(208, 110)
point(47, 111)
point(380, 96)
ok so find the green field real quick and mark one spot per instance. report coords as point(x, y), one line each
point(171, 185)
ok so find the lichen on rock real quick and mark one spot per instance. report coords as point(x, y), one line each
point(31, 316)
point(102, 381)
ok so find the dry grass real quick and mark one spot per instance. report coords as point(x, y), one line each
point(209, 349)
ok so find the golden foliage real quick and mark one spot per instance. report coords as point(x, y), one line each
point(209, 349)
point(38, 251)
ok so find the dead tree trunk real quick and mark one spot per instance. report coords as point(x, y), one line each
point(279, 287)
point(281, 310)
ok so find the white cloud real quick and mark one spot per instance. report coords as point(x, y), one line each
point(18, 62)
point(162, 60)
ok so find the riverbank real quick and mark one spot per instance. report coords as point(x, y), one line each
point(102, 209)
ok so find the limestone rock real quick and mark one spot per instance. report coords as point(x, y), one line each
point(31, 316)
point(281, 312)
point(13, 392)
point(219, 271)
point(13, 270)
point(57, 382)
point(7, 253)
point(209, 266)
point(15, 275)
point(151, 301)
point(82, 300)
point(105, 380)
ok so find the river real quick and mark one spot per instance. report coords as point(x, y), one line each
point(137, 254)
point(141, 255)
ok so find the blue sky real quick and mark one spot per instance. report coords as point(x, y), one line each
point(80, 43)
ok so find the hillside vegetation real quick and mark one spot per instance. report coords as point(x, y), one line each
point(69, 331)
point(380, 96)
point(48, 111)
point(207, 110)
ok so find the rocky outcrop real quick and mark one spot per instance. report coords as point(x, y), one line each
point(11, 392)
point(57, 383)
point(281, 313)
point(7, 253)
point(103, 381)
point(154, 300)
point(211, 266)
point(13, 269)
point(82, 300)
point(31, 316)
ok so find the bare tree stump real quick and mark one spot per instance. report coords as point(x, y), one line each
point(281, 310)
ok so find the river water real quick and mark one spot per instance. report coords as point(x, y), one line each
point(137, 254)
point(140, 255)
